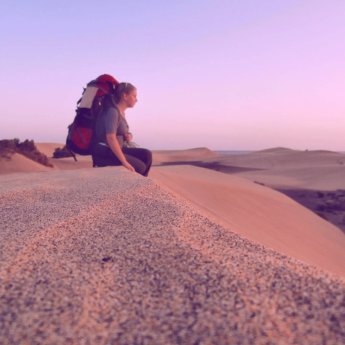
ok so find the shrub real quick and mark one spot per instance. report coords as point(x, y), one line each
point(27, 148)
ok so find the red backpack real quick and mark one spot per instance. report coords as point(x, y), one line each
point(89, 106)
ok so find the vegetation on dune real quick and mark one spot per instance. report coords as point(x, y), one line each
point(63, 152)
point(26, 148)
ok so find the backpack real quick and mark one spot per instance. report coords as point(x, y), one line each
point(90, 105)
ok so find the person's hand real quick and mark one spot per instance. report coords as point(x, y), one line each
point(128, 166)
point(128, 137)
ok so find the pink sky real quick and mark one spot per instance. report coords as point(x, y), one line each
point(222, 74)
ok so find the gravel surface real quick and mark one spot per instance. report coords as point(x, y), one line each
point(104, 256)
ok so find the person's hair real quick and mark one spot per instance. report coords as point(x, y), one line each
point(121, 89)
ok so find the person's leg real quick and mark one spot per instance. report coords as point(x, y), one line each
point(137, 164)
point(103, 156)
point(143, 155)
point(140, 159)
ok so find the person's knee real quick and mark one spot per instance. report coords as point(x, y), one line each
point(138, 165)
point(142, 160)
point(147, 156)
point(140, 168)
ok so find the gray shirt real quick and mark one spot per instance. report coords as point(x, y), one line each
point(110, 121)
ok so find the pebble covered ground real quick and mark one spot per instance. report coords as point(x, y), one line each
point(104, 256)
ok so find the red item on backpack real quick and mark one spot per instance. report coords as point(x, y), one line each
point(89, 106)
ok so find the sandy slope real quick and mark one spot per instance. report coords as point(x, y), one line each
point(259, 213)
point(20, 163)
point(256, 212)
point(124, 262)
point(291, 168)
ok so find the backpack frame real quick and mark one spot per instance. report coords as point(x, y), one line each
point(89, 106)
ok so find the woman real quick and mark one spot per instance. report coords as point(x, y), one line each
point(112, 134)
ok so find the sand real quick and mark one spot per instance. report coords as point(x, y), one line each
point(19, 163)
point(285, 168)
point(48, 148)
point(315, 179)
point(258, 213)
point(186, 256)
point(104, 256)
point(67, 163)
point(196, 154)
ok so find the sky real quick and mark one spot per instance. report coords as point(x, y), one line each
point(227, 75)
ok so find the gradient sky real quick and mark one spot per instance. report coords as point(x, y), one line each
point(222, 74)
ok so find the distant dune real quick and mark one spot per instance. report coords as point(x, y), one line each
point(20, 163)
point(284, 158)
point(290, 168)
point(48, 148)
point(165, 156)
point(275, 150)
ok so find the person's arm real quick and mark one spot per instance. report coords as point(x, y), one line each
point(111, 121)
point(115, 147)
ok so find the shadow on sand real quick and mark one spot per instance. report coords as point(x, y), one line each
point(211, 165)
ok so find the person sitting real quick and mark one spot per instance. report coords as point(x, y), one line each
point(112, 144)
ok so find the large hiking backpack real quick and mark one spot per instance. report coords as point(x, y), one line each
point(89, 106)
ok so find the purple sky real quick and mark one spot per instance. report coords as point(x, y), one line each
point(222, 74)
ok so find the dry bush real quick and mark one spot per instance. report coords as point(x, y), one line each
point(27, 148)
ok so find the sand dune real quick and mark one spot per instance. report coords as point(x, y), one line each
point(276, 167)
point(19, 163)
point(254, 211)
point(48, 148)
point(104, 256)
point(275, 150)
point(67, 163)
point(258, 213)
point(290, 168)
point(196, 154)
point(285, 158)
point(105, 251)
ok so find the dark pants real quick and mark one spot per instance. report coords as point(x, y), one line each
point(140, 159)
